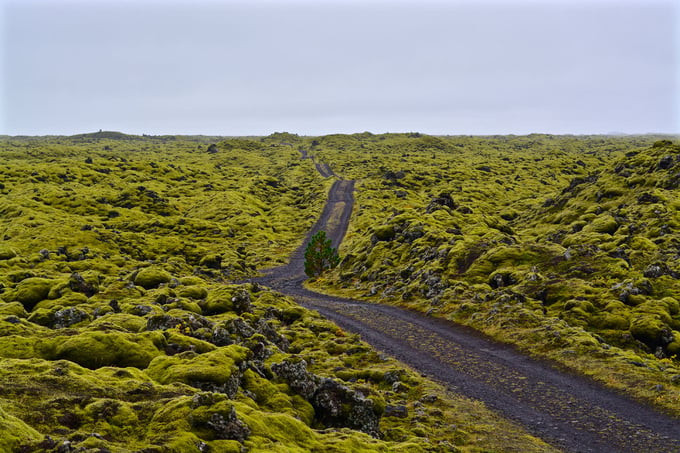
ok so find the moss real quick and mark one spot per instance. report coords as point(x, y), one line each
point(385, 233)
point(18, 347)
point(219, 300)
point(188, 343)
point(151, 277)
point(13, 309)
point(115, 413)
point(649, 329)
point(98, 349)
point(6, 253)
point(14, 432)
point(193, 292)
point(31, 291)
point(215, 367)
point(192, 281)
point(119, 321)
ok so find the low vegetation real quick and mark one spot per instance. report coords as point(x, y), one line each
point(121, 330)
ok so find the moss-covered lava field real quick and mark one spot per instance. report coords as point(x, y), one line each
point(123, 327)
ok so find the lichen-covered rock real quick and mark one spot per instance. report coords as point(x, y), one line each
point(270, 333)
point(68, 317)
point(399, 411)
point(339, 406)
point(443, 200)
point(335, 405)
point(239, 328)
point(221, 422)
point(241, 301)
point(151, 277)
point(295, 374)
point(78, 284)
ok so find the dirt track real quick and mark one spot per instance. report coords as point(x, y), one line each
point(568, 411)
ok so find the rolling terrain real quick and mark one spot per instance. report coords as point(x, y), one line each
point(121, 328)
point(566, 247)
point(136, 313)
point(570, 412)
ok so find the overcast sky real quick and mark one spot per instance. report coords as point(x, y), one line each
point(318, 67)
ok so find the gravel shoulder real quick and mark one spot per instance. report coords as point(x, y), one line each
point(571, 412)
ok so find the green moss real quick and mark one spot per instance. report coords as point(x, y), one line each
point(215, 367)
point(186, 342)
point(385, 233)
point(14, 432)
point(6, 253)
point(119, 321)
point(99, 349)
point(31, 291)
point(151, 277)
point(219, 300)
point(13, 309)
point(193, 292)
point(649, 329)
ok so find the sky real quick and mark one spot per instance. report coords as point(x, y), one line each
point(339, 66)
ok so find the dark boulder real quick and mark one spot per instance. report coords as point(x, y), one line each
point(335, 405)
point(501, 279)
point(67, 317)
point(338, 406)
point(666, 162)
point(241, 301)
point(396, 411)
point(298, 378)
point(78, 284)
point(648, 198)
point(444, 199)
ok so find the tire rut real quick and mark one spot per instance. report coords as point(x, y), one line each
point(568, 411)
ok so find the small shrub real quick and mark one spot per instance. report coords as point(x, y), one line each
point(320, 255)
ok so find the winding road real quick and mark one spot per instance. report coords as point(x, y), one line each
point(568, 411)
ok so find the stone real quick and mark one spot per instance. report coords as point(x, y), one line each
point(68, 316)
point(338, 406)
point(78, 284)
point(399, 411)
point(241, 301)
point(298, 378)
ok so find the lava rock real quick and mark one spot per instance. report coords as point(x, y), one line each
point(396, 411)
point(241, 301)
point(338, 406)
point(298, 378)
point(68, 317)
point(78, 284)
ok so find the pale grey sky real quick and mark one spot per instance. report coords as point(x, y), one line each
point(318, 67)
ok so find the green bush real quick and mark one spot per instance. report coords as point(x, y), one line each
point(320, 255)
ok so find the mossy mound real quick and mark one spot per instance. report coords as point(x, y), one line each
point(99, 349)
point(14, 432)
point(152, 277)
point(31, 291)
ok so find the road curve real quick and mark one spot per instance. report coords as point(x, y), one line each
point(568, 411)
